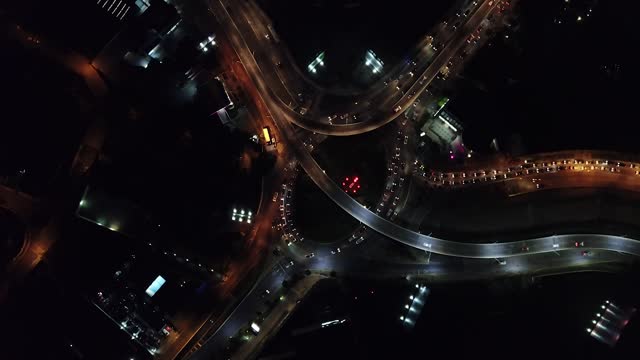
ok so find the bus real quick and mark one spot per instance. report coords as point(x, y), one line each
point(267, 135)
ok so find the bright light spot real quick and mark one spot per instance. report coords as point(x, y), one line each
point(593, 321)
point(417, 286)
point(235, 210)
point(606, 302)
point(255, 327)
point(401, 317)
point(248, 221)
point(579, 18)
point(406, 306)
point(598, 315)
point(603, 306)
point(82, 202)
point(588, 330)
point(411, 297)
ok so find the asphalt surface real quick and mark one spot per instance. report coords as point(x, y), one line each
point(372, 112)
point(522, 256)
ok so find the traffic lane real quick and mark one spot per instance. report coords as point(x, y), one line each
point(343, 129)
point(442, 268)
point(438, 245)
point(383, 117)
point(358, 211)
point(248, 42)
point(294, 80)
point(242, 315)
point(259, 18)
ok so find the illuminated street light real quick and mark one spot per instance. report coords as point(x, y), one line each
point(242, 215)
point(371, 60)
point(210, 40)
point(318, 61)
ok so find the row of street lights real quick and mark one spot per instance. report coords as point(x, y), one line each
point(242, 216)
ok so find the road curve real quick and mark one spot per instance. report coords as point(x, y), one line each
point(283, 120)
point(372, 118)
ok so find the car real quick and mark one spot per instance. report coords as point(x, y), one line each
point(501, 261)
point(288, 264)
point(406, 139)
point(525, 248)
point(587, 253)
point(336, 251)
point(310, 255)
point(361, 239)
point(275, 196)
point(579, 244)
point(555, 246)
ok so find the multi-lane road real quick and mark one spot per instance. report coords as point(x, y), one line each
point(371, 111)
point(283, 118)
point(280, 102)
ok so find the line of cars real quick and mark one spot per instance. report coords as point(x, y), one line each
point(387, 207)
point(527, 168)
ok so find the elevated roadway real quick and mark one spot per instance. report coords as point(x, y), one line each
point(372, 112)
point(284, 118)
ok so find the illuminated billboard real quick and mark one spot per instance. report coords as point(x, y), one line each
point(155, 285)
